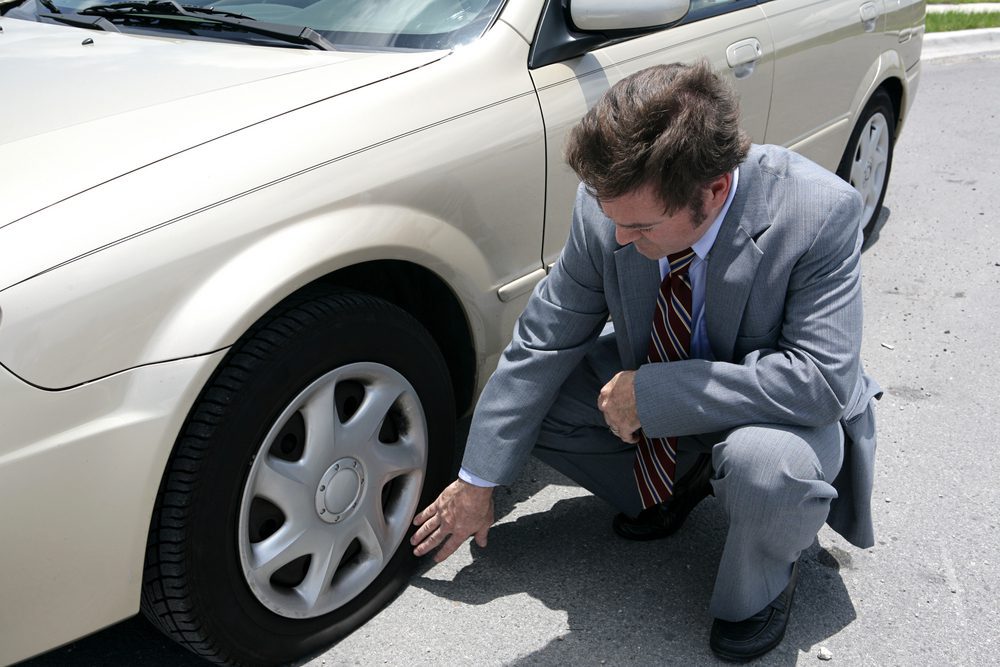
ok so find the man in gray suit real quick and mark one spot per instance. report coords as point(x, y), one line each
point(739, 375)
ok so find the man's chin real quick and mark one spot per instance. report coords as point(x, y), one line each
point(649, 253)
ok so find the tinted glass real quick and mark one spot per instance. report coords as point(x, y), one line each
point(361, 24)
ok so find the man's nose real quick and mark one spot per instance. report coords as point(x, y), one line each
point(624, 235)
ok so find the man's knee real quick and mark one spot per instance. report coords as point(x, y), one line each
point(769, 466)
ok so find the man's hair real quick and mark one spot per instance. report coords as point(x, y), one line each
point(673, 127)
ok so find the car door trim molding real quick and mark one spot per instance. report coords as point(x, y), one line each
point(519, 286)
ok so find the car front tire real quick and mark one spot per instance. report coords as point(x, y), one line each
point(282, 520)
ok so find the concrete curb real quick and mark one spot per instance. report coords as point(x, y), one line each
point(942, 45)
point(969, 8)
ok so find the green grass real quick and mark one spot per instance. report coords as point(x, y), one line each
point(959, 21)
point(961, 2)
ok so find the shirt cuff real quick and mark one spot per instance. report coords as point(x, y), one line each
point(474, 480)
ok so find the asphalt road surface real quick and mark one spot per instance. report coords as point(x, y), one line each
point(556, 587)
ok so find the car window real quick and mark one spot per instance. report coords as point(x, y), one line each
point(698, 5)
point(704, 8)
point(373, 24)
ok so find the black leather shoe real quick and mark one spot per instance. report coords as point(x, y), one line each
point(745, 640)
point(664, 519)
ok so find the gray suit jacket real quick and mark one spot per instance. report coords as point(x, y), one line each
point(783, 318)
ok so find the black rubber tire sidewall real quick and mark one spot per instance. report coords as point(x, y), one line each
point(232, 616)
point(879, 103)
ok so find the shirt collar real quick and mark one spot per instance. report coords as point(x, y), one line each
point(703, 245)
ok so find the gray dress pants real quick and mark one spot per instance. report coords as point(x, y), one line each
point(772, 481)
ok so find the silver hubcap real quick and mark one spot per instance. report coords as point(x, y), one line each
point(340, 490)
point(871, 157)
point(332, 489)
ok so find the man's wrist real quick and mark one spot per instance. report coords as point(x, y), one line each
point(474, 480)
point(476, 491)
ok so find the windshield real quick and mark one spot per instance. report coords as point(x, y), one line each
point(347, 24)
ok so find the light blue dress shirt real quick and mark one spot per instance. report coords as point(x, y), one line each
point(700, 348)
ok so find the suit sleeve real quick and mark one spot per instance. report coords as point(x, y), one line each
point(562, 319)
point(805, 379)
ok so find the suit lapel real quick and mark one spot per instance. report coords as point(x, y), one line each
point(733, 261)
point(639, 282)
point(732, 266)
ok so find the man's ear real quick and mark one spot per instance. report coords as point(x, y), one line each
point(717, 191)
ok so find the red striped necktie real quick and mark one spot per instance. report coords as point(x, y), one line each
point(670, 340)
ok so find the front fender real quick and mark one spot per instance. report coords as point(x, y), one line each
point(226, 301)
point(120, 308)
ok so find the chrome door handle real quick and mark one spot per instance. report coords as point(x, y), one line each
point(742, 57)
point(869, 13)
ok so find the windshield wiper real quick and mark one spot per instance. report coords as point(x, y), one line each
point(75, 20)
point(92, 22)
point(215, 12)
point(171, 7)
point(171, 10)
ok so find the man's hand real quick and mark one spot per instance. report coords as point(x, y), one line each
point(461, 510)
point(617, 402)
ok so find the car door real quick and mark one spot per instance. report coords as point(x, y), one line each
point(823, 50)
point(732, 34)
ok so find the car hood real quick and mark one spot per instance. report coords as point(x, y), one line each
point(82, 107)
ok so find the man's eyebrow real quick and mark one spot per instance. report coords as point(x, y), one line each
point(637, 225)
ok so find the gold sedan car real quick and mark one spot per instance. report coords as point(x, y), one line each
point(256, 256)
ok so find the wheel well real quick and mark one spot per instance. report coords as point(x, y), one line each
point(894, 88)
point(427, 298)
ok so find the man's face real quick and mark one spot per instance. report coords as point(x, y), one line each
point(640, 220)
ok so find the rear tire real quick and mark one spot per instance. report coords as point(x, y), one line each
point(283, 517)
point(867, 161)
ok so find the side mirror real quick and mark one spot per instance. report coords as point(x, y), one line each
point(611, 15)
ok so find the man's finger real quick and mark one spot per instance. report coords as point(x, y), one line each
point(421, 534)
point(431, 525)
point(429, 542)
point(448, 548)
point(427, 513)
point(481, 536)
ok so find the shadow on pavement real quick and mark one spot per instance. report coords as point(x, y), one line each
point(628, 602)
point(131, 642)
point(876, 229)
